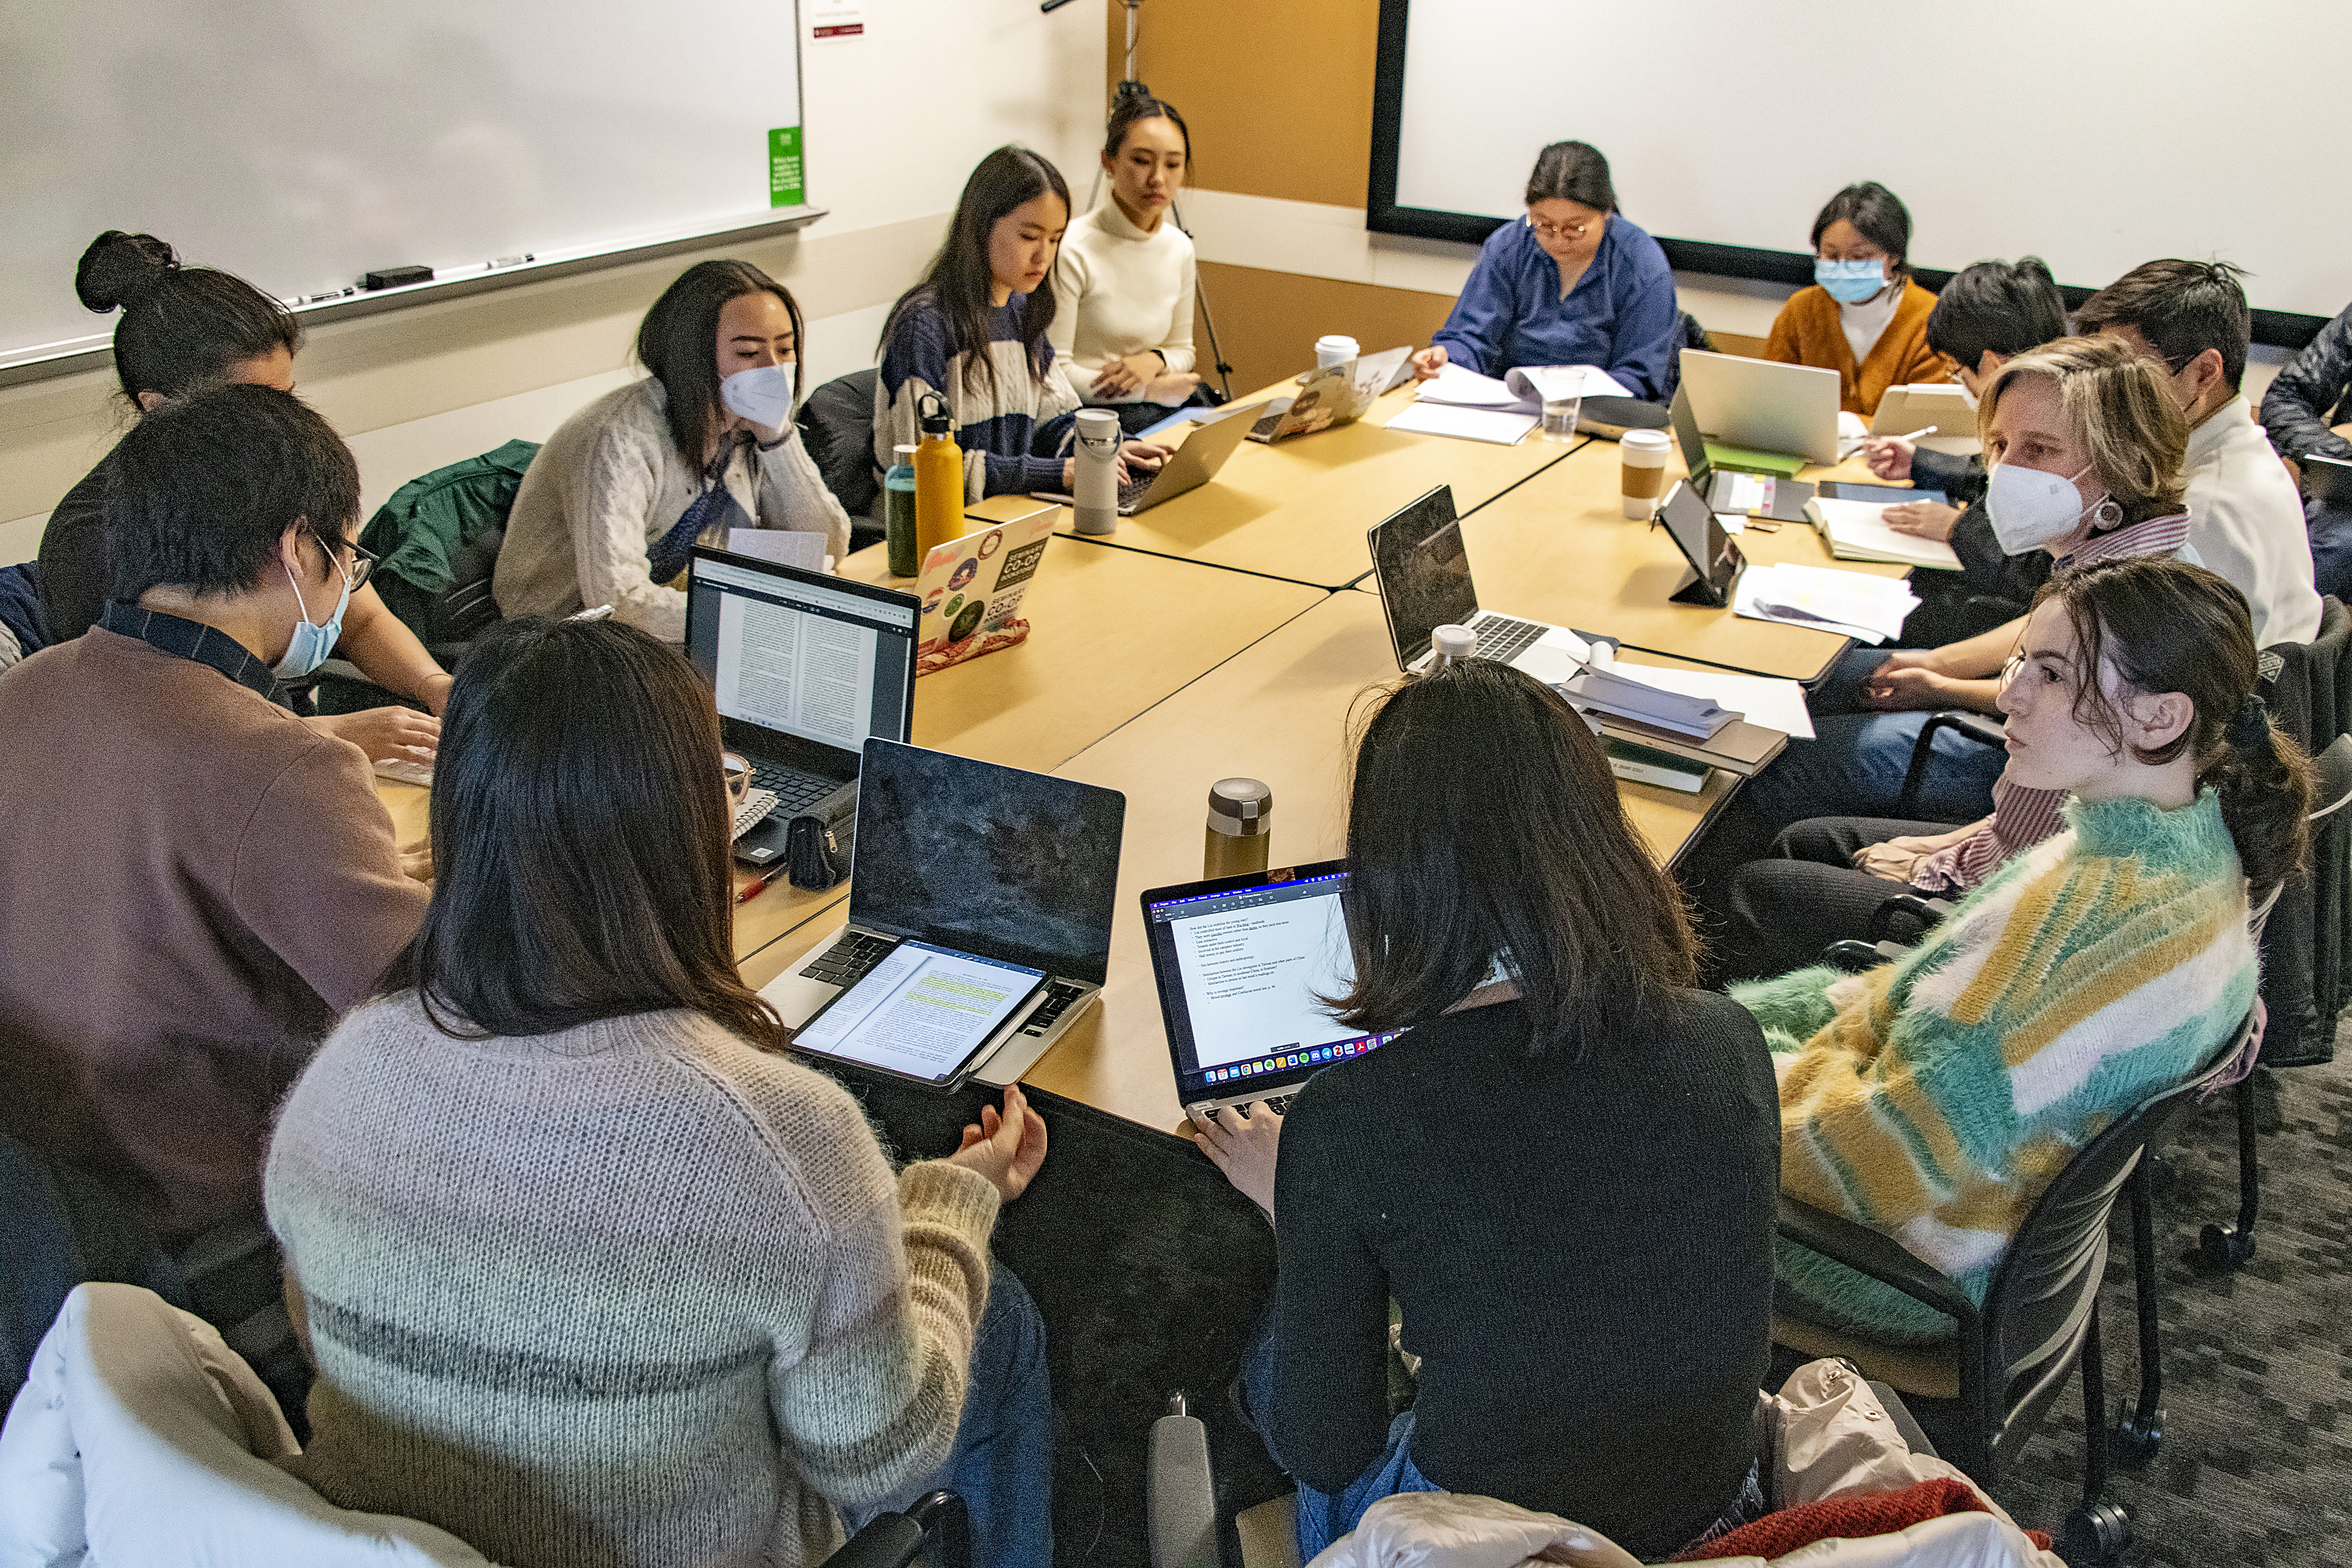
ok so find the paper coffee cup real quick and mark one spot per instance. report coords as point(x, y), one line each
point(1641, 458)
point(1332, 349)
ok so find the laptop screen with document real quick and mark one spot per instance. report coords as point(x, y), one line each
point(1245, 965)
point(801, 655)
point(1422, 572)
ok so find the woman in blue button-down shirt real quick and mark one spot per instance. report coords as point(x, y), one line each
point(1573, 283)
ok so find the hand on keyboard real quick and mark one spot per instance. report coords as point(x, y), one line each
point(1244, 1148)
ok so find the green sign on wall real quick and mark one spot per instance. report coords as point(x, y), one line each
point(787, 182)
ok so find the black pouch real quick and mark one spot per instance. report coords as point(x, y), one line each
point(811, 854)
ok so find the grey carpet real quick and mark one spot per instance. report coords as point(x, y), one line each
point(2256, 1463)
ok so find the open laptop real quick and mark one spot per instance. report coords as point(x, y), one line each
point(1011, 875)
point(1328, 397)
point(804, 667)
point(1763, 406)
point(1724, 490)
point(1715, 561)
point(2327, 480)
point(1187, 468)
point(1244, 964)
point(1424, 573)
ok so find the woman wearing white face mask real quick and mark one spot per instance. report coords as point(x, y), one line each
point(1864, 317)
point(625, 487)
point(2085, 447)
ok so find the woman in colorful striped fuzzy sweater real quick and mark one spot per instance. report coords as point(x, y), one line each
point(1933, 1098)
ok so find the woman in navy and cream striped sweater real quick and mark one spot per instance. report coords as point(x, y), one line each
point(974, 331)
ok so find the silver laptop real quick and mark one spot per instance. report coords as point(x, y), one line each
point(1329, 397)
point(804, 667)
point(1423, 572)
point(980, 917)
point(1246, 966)
point(1187, 468)
point(1763, 405)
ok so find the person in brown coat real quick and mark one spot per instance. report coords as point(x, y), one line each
point(1864, 317)
point(194, 883)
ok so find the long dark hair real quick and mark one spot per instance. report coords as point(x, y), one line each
point(181, 326)
point(580, 830)
point(1881, 218)
point(679, 342)
point(2164, 625)
point(958, 281)
point(1572, 171)
point(1483, 818)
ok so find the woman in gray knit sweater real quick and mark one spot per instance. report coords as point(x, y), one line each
point(593, 1273)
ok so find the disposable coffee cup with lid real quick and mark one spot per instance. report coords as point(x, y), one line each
point(1641, 462)
point(1334, 348)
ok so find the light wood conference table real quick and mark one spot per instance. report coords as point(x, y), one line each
point(1298, 509)
point(1559, 548)
point(1278, 712)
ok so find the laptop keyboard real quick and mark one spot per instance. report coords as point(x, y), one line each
point(1060, 997)
point(795, 791)
point(1503, 639)
point(850, 959)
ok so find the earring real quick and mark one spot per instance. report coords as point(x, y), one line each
point(2107, 514)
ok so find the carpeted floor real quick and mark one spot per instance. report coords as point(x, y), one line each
point(1151, 1272)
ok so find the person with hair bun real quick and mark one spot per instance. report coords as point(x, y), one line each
point(1933, 1098)
point(612, 505)
point(1560, 1168)
point(1574, 282)
point(1864, 317)
point(1124, 283)
point(183, 328)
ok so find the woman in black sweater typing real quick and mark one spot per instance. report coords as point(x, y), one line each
point(1562, 1173)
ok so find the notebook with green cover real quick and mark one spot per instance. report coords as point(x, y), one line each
point(1747, 461)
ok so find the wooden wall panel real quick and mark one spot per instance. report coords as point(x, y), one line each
point(1268, 322)
point(1277, 93)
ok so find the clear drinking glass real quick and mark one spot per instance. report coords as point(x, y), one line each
point(1560, 417)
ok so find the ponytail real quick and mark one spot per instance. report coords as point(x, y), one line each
point(2163, 625)
point(2264, 781)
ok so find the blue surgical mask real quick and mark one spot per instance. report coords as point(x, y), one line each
point(1850, 282)
point(311, 644)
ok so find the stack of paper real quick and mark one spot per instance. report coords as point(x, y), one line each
point(1460, 401)
point(1616, 690)
point(1869, 609)
point(1857, 531)
point(1775, 704)
point(1500, 426)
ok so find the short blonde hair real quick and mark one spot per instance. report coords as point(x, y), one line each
point(2118, 404)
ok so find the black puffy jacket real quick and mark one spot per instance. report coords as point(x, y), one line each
point(2314, 392)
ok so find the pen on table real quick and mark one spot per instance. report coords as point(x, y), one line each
point(754, 887)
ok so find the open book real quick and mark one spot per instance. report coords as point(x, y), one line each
point(1857, 531)
point(1522, 391)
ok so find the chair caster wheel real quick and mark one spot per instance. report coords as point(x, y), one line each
point(2094, 1534)
point(2136, 1437)
point(2220, 1248)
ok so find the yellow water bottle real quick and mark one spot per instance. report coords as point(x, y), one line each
point(938, 479)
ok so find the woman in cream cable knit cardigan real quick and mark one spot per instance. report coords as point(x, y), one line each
point(1935, 1098)
point(591, 1272)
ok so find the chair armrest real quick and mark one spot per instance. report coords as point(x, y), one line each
point(1969, 726)
point(895, 1539)
point(1856, 957)
point(1927, 913)
point(1179, 1494)
point(1871, 1252)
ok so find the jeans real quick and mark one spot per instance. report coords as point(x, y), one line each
point(2331, 548)
point(1002, 1462)
point(1324, 1517)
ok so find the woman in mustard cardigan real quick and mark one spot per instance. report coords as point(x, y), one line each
point(1864, 317)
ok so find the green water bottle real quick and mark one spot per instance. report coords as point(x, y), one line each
point(898, 512)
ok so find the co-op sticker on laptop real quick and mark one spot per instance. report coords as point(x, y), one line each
point(972, 589)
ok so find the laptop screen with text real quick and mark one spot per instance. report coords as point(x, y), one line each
point(799, 653)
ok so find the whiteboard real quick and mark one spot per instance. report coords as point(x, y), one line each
point(301, 143)
point(2096, 133)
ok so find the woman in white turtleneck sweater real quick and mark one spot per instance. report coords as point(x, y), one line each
point(1124, 283)
point(1864, 317)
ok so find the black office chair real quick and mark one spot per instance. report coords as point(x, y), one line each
point(836, 421)
point(895, 1540)
point(1985, 1395)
